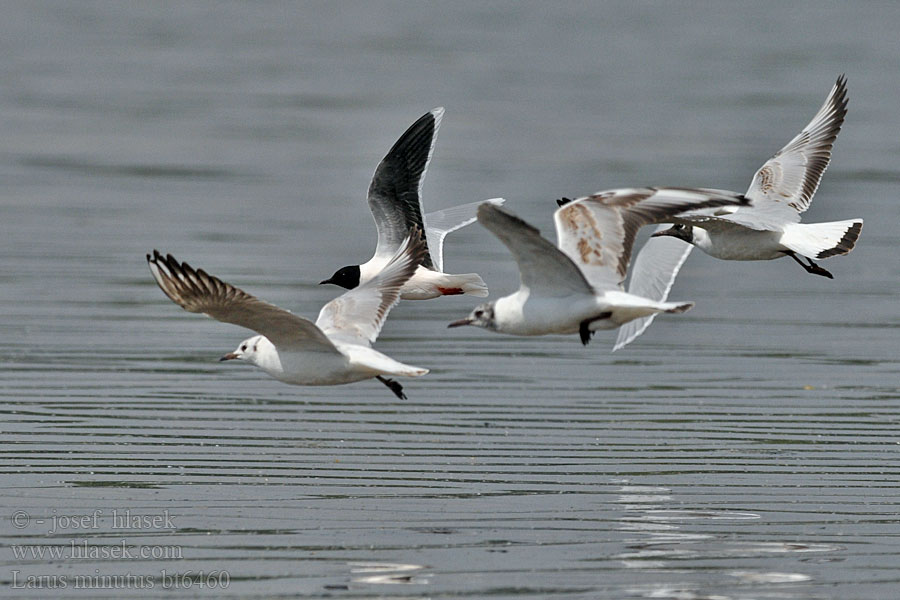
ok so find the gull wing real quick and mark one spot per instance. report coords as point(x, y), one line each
point(395, 193)
point(542, 267)
point(597, 232)
point(357, 316)
point(441, 222)
point(784, 186)
point(197, 291)
point(652, 276)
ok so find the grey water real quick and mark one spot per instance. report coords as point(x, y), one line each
point(748, 449)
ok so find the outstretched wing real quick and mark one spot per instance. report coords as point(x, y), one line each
point(542, 267)
point(357, 316)
point(789, 179)
point(597, 232)
point(441, 222)
point(652, 276)
point(197, 291)
point(395, 194)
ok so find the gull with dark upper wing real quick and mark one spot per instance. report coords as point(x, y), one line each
point(395, 199)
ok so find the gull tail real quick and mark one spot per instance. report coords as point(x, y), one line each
point(627, 307)
point(380, 364)
point(652, 276)
point(675, 307)
point(399, 368)
point(822, 240)
point(468, 283)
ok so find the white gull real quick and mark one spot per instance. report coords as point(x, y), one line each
point(769, 228)
point(578, 286)
point(335, 349)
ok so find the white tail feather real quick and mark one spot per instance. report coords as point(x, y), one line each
point(821, 240)
point(627, 307)
point(470, 283)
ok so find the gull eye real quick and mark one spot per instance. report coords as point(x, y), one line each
point(244, 348)
point(479, 313)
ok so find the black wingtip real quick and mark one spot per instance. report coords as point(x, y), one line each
point(563, 201)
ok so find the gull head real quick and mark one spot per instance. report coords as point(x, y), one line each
point(482, 316)
point(346, 277)
point(247, 350)
point(682, 232)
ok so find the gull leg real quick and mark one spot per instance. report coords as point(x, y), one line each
point(811, 267)
point(584, 331)
point(393, 386)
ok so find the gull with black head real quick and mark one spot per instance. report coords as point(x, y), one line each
point(336, 349)
point(395, 199)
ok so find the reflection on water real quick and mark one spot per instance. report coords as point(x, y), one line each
point(387, 573)
point(664, 546)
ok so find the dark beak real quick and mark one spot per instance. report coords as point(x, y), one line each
point(325, 281)
point(662, 233)
point(229, 356)
point(460, 323)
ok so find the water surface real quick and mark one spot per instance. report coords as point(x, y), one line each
point(746, 449)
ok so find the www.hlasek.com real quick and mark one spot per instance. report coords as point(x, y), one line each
point(97, 581)
point(84, 550)
point(103, 523)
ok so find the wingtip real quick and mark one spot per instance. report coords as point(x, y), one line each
point(487, 208)
point(497, 219)
point(488, 211)
point(157, 261)
point(838, 98)
point(438, 115)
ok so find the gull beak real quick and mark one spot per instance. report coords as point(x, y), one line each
point(229, 356)
point(662, 233)
point(325, 281)
point(460, 323)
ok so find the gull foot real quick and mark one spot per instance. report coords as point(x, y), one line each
point(811, 267)
point(584, 328)
point(393, 386)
